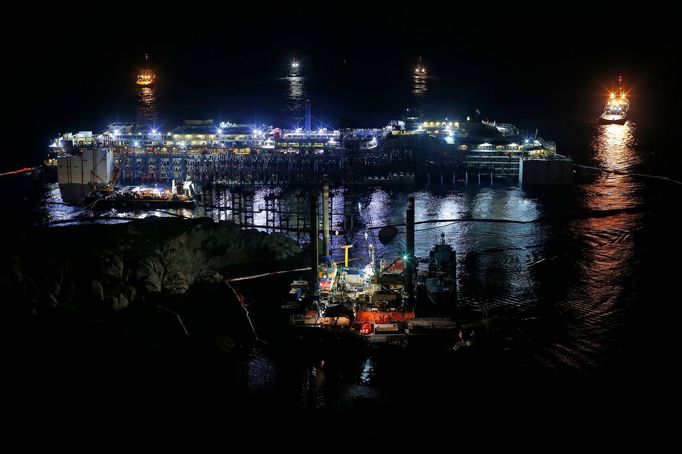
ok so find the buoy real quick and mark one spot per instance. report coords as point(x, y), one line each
point(387, 234)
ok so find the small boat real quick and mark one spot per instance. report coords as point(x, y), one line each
point(296, 295)
point(146, 77)
point(420, 69)
point(294, 298)
point(617, 106)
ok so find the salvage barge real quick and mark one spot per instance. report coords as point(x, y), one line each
point(142, 198)
point(378, 303)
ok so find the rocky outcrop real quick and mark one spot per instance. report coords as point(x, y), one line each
point(112, 266)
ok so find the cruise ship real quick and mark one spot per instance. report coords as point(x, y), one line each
point(206, 151)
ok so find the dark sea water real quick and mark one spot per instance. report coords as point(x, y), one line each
point(587, 285)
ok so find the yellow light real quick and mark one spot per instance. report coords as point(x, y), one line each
point(613, 95)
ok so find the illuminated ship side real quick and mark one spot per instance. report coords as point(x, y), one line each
point(617, 106)
point(146, 77)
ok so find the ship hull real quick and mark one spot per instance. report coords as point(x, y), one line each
point(612, 119)
point(440, 293)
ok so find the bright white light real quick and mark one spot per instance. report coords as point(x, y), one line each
point(299, 129)
point(116, 132)
point(219, 131)
point(136, 144)
point(153, 131)
point(525, 141)
point(321, 130)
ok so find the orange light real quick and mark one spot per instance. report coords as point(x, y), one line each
point(17, 172)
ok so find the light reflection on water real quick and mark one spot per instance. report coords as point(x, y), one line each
point(147, 111)
point(419, 86)
point(295, 95)
point(614, 146)
point(599, 303)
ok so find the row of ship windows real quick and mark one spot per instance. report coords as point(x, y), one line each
point(498, 147)
point(205, 143)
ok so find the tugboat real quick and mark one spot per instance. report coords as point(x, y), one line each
point(617, 106)
point(441, 277)
point(297, 293)
point(146, 77)
point(420, 69)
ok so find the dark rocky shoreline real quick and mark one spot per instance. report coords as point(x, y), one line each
point(92, 268)
point(131, 311)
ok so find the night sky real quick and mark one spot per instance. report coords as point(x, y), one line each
point(67, 63)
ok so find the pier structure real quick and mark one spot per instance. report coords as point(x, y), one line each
point(410, 260)
point(326, 218)
point(314, 244)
